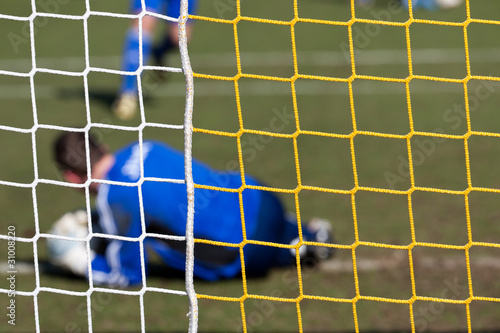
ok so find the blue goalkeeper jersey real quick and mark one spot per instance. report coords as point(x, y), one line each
point(163, 195)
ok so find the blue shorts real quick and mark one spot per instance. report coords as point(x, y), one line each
point(171, 8)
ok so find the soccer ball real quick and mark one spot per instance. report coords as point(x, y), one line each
point(70, 254)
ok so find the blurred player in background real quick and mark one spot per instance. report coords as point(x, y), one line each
point(433, 4)
point(421, 4)
point(164, 208)
point(126, 104)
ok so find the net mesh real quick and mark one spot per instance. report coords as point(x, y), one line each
point(189, 129)
point(357, 186)
point(186, 69)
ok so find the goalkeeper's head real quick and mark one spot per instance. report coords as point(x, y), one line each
point(70, 153)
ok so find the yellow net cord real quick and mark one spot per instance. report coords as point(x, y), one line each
point(300, 187)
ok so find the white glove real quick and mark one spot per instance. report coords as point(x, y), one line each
point(68, 254)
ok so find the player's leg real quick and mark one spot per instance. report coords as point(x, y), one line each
point(319, 230)
point(165, 44)
point(316, 230)
point(170, 40)
point(274, 225)
point(260, 258)
point(125, 106)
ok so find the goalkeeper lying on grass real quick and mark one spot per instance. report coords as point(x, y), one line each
point(217, 216)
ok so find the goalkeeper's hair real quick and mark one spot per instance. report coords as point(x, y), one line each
point(70, 152)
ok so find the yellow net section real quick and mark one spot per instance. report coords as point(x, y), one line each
point(355, 132)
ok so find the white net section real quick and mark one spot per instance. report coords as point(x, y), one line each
point(187, 127)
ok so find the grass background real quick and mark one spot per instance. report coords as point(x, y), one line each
point(323, 106)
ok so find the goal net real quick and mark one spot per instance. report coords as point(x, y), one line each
point(378, 132)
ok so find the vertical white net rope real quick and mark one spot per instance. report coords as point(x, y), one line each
point(187, 127)
point(188, 134)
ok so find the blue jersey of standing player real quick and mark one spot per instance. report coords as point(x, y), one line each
point(170, 8)
point(217, 215)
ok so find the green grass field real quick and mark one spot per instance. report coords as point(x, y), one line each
point(384, 273)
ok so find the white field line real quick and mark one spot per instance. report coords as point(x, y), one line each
point(279, 58)
point(262, 59)
point(388, 263)
point(253, 88)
